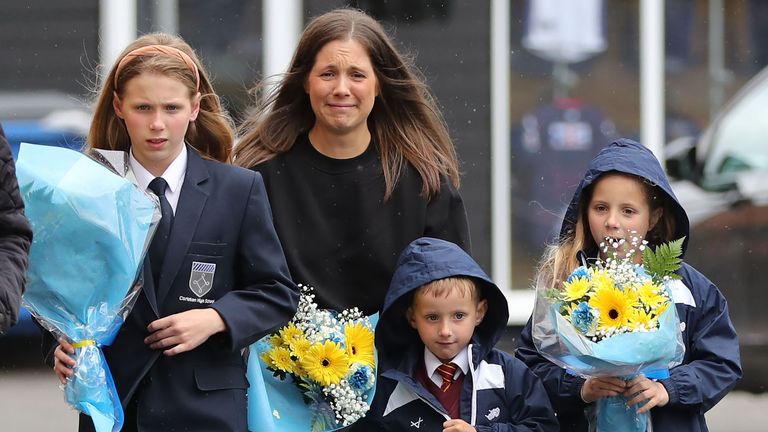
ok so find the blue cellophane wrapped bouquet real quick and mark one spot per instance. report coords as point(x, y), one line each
point(317, 373)
point(613, 319)
point(92, 228)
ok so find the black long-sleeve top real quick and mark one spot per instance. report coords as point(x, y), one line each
point(338, 233)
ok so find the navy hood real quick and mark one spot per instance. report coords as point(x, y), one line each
point(423, 261)
point(629, 157)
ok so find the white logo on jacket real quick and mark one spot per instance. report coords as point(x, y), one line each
point(492, 414)
point(201, 278)
point(417, 424)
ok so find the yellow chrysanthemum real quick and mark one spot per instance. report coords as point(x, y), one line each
point(289, 333)
point(281, 358)
point(642, 320)
point(614, 305)
point(325, 363)
point(576, 289)
point(266, 357)
point(299, 346)
point(632, 297)
point(275, 340)
point(602, 280)
point(661, 308)
point(359, 344)
point(651, 295)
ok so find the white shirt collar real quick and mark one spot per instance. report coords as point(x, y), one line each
point(432, 362)
point(173, 175)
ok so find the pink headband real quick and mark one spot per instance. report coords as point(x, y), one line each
point(159, 49)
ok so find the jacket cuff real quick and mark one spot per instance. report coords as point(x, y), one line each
point(671, 387)
point(573, 387)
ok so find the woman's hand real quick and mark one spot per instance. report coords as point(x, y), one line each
point(184, 331)
point(596, 388)
point(63, 361)
point(641, 389)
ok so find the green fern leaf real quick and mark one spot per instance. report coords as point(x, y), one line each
point(664, 261)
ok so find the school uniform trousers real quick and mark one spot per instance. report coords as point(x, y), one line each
point(223, 253)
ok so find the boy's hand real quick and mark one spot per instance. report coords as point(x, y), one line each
point(596, 388)
point(644, 389)
point(63, 362)
point(184, 331)
point(457, 425)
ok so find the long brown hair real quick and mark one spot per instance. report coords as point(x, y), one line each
point(560, 260)
point(212, 133)
point(405, 120)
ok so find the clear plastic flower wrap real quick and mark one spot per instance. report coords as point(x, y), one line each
point(92, 227)
point(613, 319)
point(318, 373)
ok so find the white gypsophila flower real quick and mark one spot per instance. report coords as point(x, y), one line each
point(346, 404)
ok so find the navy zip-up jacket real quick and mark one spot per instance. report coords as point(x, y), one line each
point(711, 366)
point(499, 394)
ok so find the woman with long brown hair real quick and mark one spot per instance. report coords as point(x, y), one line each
point(356, 158)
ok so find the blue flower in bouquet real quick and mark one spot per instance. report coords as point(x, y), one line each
point(580, 272)
point(585, 318)
point(361, 379)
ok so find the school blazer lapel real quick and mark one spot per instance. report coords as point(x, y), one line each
point(194, 193)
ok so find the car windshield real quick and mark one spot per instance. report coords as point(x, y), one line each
point(740, 140)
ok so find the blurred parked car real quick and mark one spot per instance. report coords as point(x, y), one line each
point(722, 181)
point(46, 118)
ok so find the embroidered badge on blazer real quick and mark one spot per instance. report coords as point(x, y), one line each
point(201, 278)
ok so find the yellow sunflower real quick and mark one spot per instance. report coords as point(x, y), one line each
point(614, 305)
point(359, 344)
point(577, 289)
point(282, 360)
point(326, 363)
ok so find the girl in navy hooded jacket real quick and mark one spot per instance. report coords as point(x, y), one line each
point(625, 191)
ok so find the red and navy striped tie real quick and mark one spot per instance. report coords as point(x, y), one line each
point(446, 371)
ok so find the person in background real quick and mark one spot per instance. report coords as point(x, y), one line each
point(215, 277)
point(15, 239)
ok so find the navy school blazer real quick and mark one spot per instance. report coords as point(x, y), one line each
point(223, 230)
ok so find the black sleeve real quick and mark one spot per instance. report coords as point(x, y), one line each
point(15, 239)
point(447, 218)
point(563, 388)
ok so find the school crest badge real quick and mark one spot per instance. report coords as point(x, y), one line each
point(201, 278)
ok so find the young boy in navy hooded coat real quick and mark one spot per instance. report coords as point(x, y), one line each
point(439, 370)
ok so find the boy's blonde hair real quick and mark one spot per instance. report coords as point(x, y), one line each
point(466, 286)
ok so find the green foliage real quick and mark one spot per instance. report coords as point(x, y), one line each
point(553, 295)
point(664, 261)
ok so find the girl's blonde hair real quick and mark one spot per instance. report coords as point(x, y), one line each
point(211, 134)
point(405, 120)
point(561, 259)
